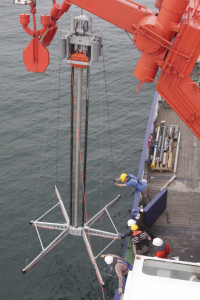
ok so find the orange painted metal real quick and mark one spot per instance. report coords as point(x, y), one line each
point(45, 20)
point(168, 39)
point(149, 32)
point(153, 35)
point(48, 36)
point(56, 9)
point(24, 19)
point(79, 57)
point(158, 4)
point(36, 56)
point(175, 84)
point(65, 5)
point(146, 69)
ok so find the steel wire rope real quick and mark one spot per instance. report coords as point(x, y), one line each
point(132, 40)
point(41, 163)
point(93, 262)
point(113, 171)
point(58, 124)
point(129, 37)
point(101, 134)
point(107, 104)
point(101, 122)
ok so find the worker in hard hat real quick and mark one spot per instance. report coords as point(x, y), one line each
point(163, 249)
point(131, 180)
point(139, 221)
point(130, 222)
point(140, 239)
point(121, 268)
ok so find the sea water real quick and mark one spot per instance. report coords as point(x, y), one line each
point(28, 102)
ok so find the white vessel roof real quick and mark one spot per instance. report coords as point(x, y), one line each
point(153, 278)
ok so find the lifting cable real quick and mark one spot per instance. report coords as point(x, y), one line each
point(58, 123)
point(113, 171)
point(101, 167)
point(108, 123)
point(93, 262)
point(41, 163)
point(106, 102)
point(129, 37)
point(131, 40)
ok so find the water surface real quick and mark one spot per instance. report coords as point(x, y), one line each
point(66, 273)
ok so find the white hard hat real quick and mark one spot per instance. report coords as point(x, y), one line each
point(157, 242)
point(108, 259)
point(130, 222)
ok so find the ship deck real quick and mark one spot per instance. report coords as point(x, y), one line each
point(179, 224)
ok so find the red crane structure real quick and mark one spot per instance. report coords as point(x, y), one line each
point(169, 39)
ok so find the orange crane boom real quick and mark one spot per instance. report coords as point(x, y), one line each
point(169, 39)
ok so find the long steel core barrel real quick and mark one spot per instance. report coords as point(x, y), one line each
point(162, 143)
point(177, 151)
point(155, 149)
point(159, 141)
point(78, 139)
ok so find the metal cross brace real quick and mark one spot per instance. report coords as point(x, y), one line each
point(66, 229)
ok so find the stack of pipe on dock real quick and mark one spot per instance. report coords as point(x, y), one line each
point(162, 157)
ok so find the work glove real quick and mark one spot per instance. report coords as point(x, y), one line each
point(137, 217)
point(122, 235)
point(120, 291)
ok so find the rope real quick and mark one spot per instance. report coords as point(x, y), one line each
point(97, 25)
point(41, 163)
point(107, 101)
point(129, 37)
point(132, 40)
point(113, 171)
point(94, 262)
point(58, 124)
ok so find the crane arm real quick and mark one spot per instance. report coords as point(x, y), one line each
point(168, 39)
point(121, 13)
